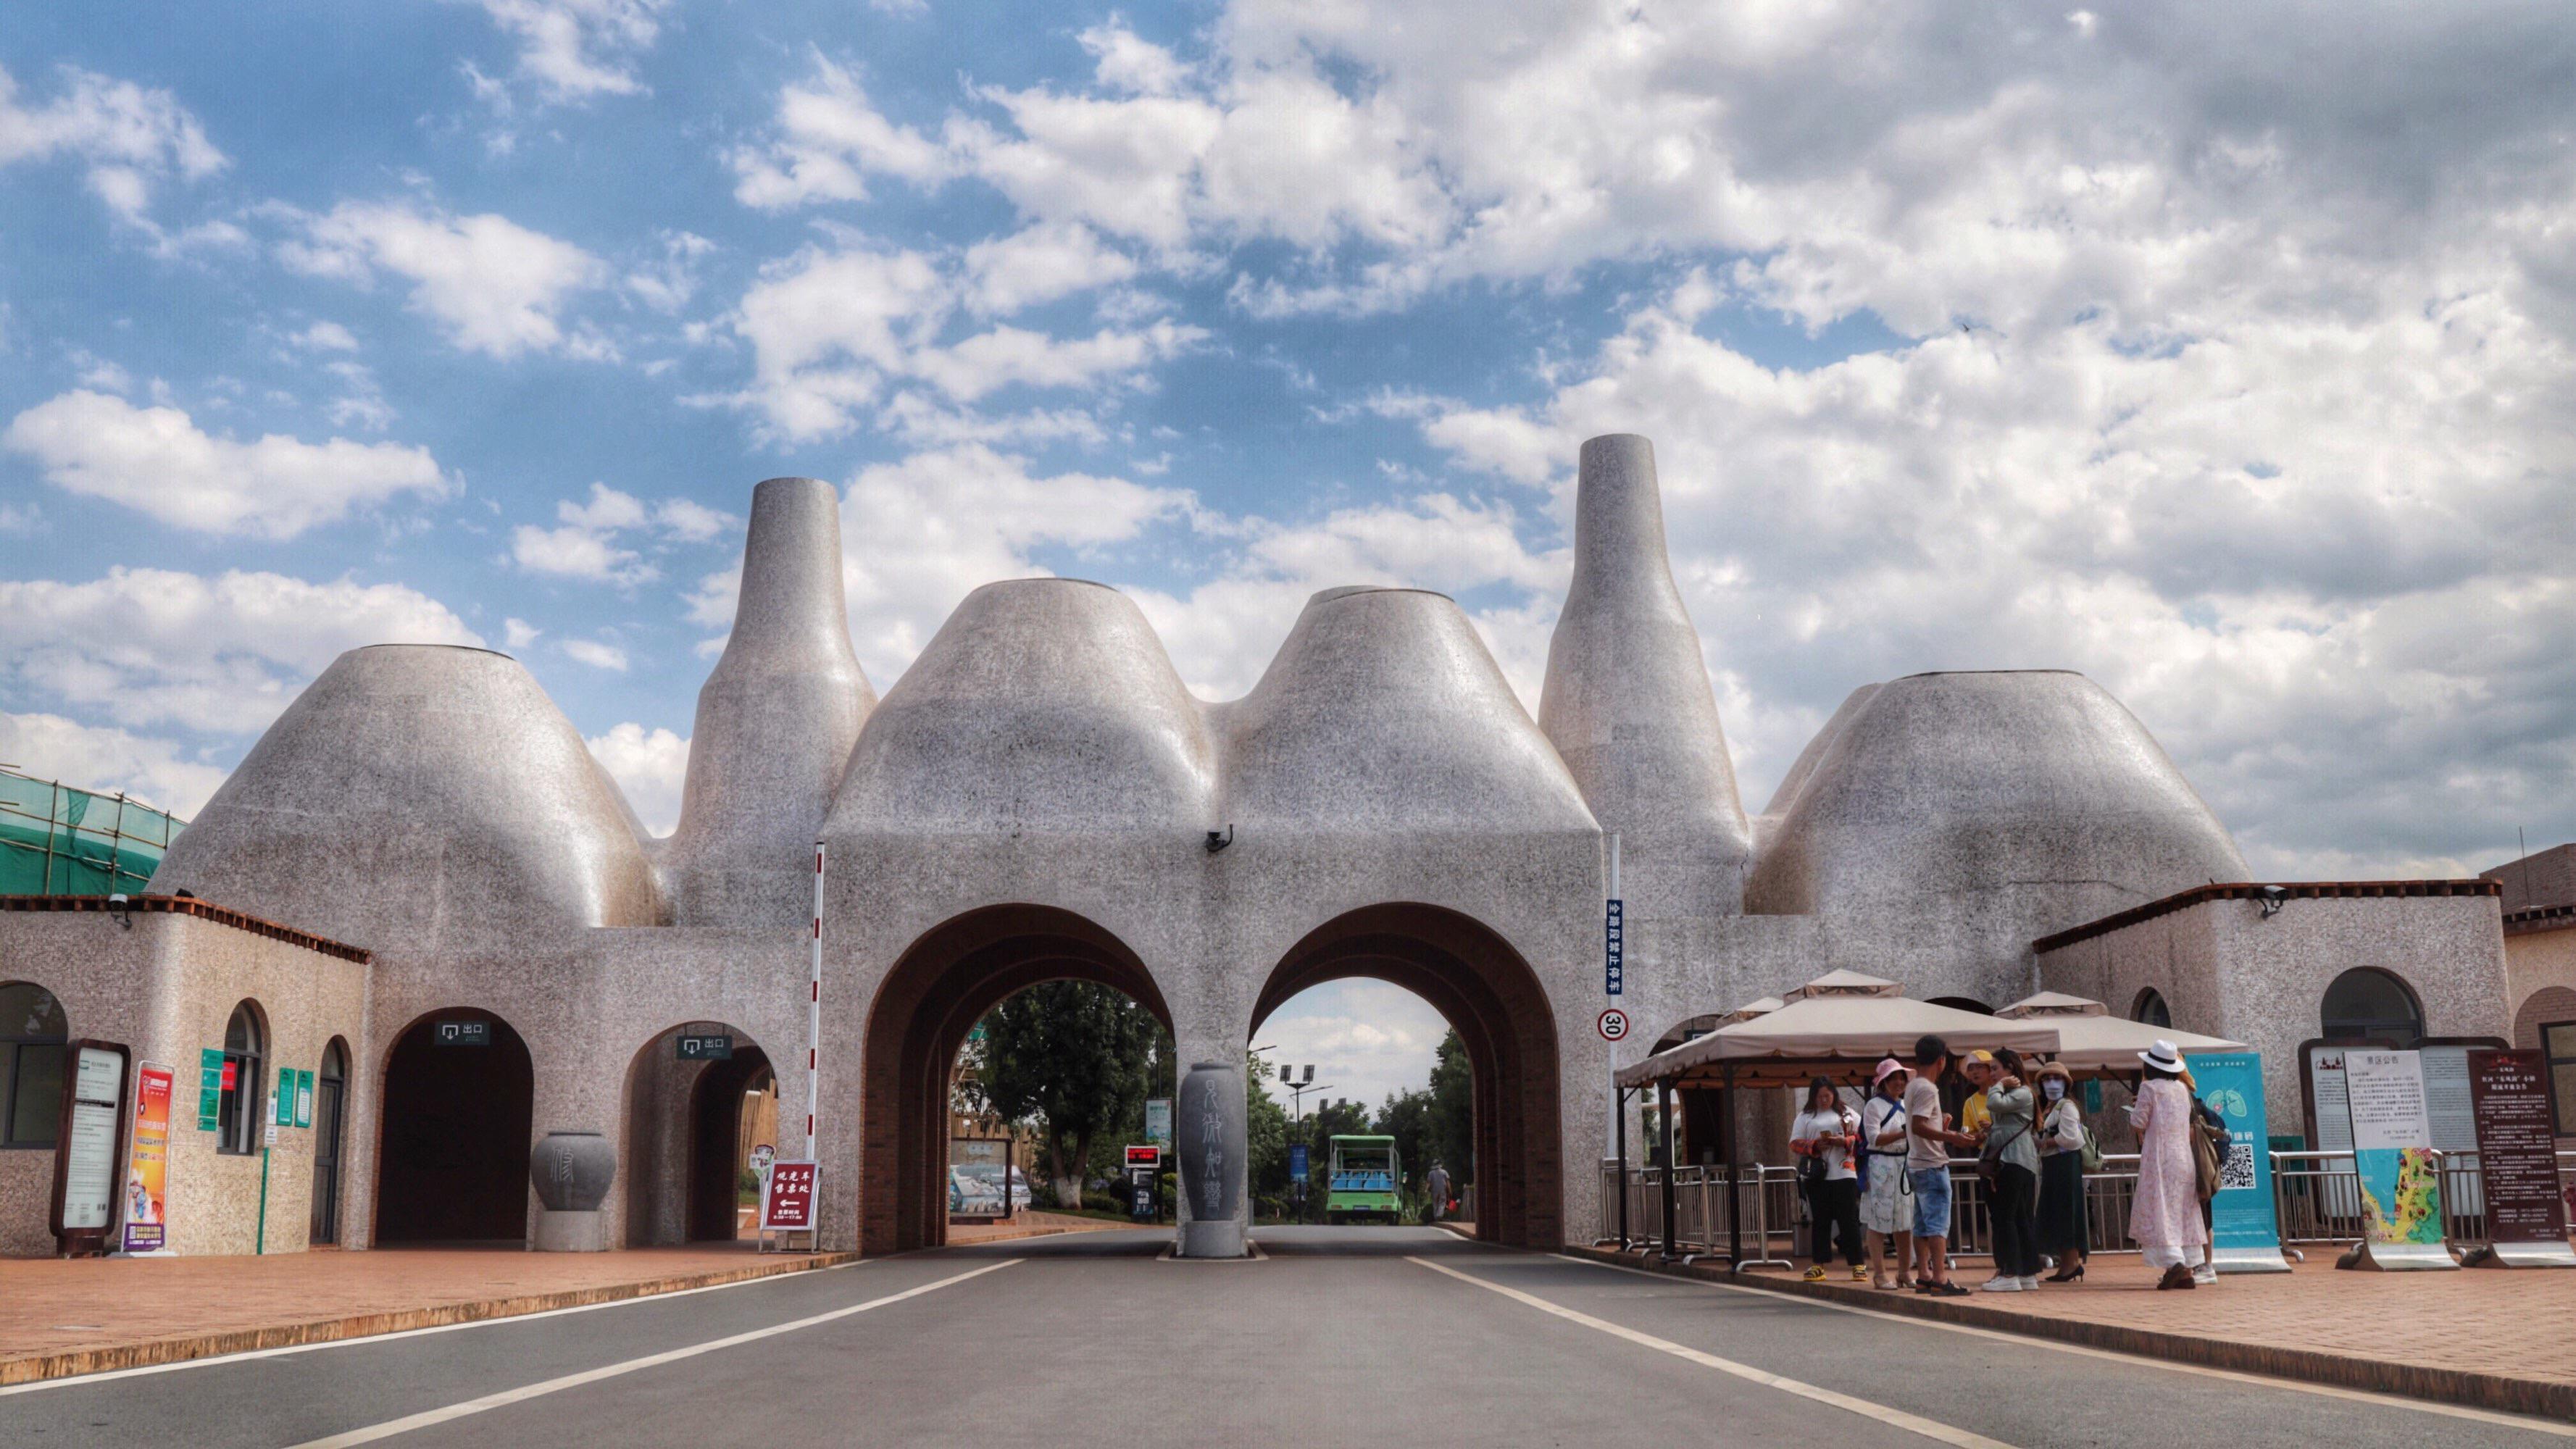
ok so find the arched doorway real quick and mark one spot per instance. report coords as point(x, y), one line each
point(459, 1103)
point(330, 1104)
point(1475, 979)
point(942, 985)
point(699, 1097)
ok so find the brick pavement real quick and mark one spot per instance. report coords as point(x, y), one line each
point(80, 1316)
point(2497, 1339)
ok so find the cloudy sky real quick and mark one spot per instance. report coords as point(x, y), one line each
point(2221, 352)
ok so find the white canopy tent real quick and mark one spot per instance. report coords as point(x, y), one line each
point(2093, 1042)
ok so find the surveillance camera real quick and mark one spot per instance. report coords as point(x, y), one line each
point(2273, 898)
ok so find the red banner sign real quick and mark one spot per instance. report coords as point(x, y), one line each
point(787, 1199)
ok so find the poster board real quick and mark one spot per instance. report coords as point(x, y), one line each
point(2392, 1152)
point(787, 1199)
point(145, 1228)
point(89, 1145)
point(2245, 1233)
point(2517, 1162)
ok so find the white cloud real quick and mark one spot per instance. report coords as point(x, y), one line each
point(129, 137)
point(573, 50)
point(666, 283)
point(155, 772)
point(650, 766)
point(1040, 264)
point(518, 633)
point(596, 654)
point(221, 654)
point(834, 334)
point(158, 461)
point(1124, 62)
point(828, 139)
point(491, 285)
point(588, 544)
point(1366, 1040)
point(325, 337)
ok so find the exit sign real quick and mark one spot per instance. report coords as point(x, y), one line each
point(706, 1047)
point(464, 1033)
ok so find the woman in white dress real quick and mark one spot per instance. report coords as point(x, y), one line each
point(2164, 1217)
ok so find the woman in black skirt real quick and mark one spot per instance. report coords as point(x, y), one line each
point(2062, 1232)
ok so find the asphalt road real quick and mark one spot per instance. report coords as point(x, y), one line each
point(1338, 1335)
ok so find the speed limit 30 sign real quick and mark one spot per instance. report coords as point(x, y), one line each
point(1613, 1024)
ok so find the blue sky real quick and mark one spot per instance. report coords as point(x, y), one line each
point(2222, 356)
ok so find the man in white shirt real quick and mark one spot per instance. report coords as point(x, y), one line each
point(1927, 1162)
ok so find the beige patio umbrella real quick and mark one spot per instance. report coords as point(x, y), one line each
point(2092, 1042)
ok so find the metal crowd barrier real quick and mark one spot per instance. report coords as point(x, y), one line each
point(2316, 1199)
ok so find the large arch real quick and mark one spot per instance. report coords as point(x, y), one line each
point(936, 992)
point(458, 1121)
point(1473, 977)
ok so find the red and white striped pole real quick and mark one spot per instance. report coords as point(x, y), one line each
point(814, 1015)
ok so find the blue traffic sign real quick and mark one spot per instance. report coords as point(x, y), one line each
point(1614, 949)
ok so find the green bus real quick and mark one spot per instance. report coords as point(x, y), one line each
point(1367, 1181)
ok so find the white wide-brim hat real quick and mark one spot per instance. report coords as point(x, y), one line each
point(2164, 1056)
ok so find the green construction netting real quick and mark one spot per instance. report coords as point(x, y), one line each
point(58, 841)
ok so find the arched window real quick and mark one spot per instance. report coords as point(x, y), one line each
point(2369, 1004)
point(32, 1033)
point(237, 1114)
point(2151, 1009)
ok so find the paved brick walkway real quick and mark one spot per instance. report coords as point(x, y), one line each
point(58, 1307)
point(2477, 1320)
point(2493, 1338)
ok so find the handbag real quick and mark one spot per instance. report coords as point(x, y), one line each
point(2204, 1162)
point(1990, 1157)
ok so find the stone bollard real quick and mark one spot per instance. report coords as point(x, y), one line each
point(571, 1172)
point(1207, 1127)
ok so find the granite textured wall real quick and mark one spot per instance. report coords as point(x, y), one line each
point(2226, 970)
point(166, 987)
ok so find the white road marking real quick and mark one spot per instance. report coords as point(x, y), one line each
point(356, 1339)
point(506, 1397)
point(2235, 1376)
point(1895, 1418)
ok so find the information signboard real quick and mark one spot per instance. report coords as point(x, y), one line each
point(210, 1088)
point(462, 1034)
point(2245, 1234)
point(147, 1181)
point(2518, 1162)
point(1158, 1120)
point(1614, 948)
point(1297, 1162)
point(714, 1046)
point(284, 1104)
point(2392, 1153)
point(979, 1177)
point(787, 1199)
point(91, 1138)
point(303, 1098)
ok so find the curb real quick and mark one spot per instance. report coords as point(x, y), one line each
point(74, 1362)
point(2536, 1397)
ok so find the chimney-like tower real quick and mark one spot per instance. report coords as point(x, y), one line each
point(1628, 703)
point(776, 721)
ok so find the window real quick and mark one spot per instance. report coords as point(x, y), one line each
point(31, 1065)
point(2371, 1005)
point(2151, 1010)
point(237, 1114)
point(2558, 1048)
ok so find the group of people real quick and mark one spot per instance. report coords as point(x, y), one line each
point(1877, 1177)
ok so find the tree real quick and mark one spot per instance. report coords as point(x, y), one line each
point(1076, 1060)
point(1406, 1117)
point(1265, 1138)
point(1451, 1130)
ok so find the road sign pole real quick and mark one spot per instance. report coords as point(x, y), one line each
point(814, 1021)
point(1617, 1107)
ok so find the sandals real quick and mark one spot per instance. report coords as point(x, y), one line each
point(2176, 1276)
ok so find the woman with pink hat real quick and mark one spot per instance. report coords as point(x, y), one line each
point(1887, 1195)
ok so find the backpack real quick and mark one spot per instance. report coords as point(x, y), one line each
point(2090, 1154)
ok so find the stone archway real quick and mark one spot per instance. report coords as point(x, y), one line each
point(935, 993)
point(459, 1106)
point(683, 1150)
point(1473, 977)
